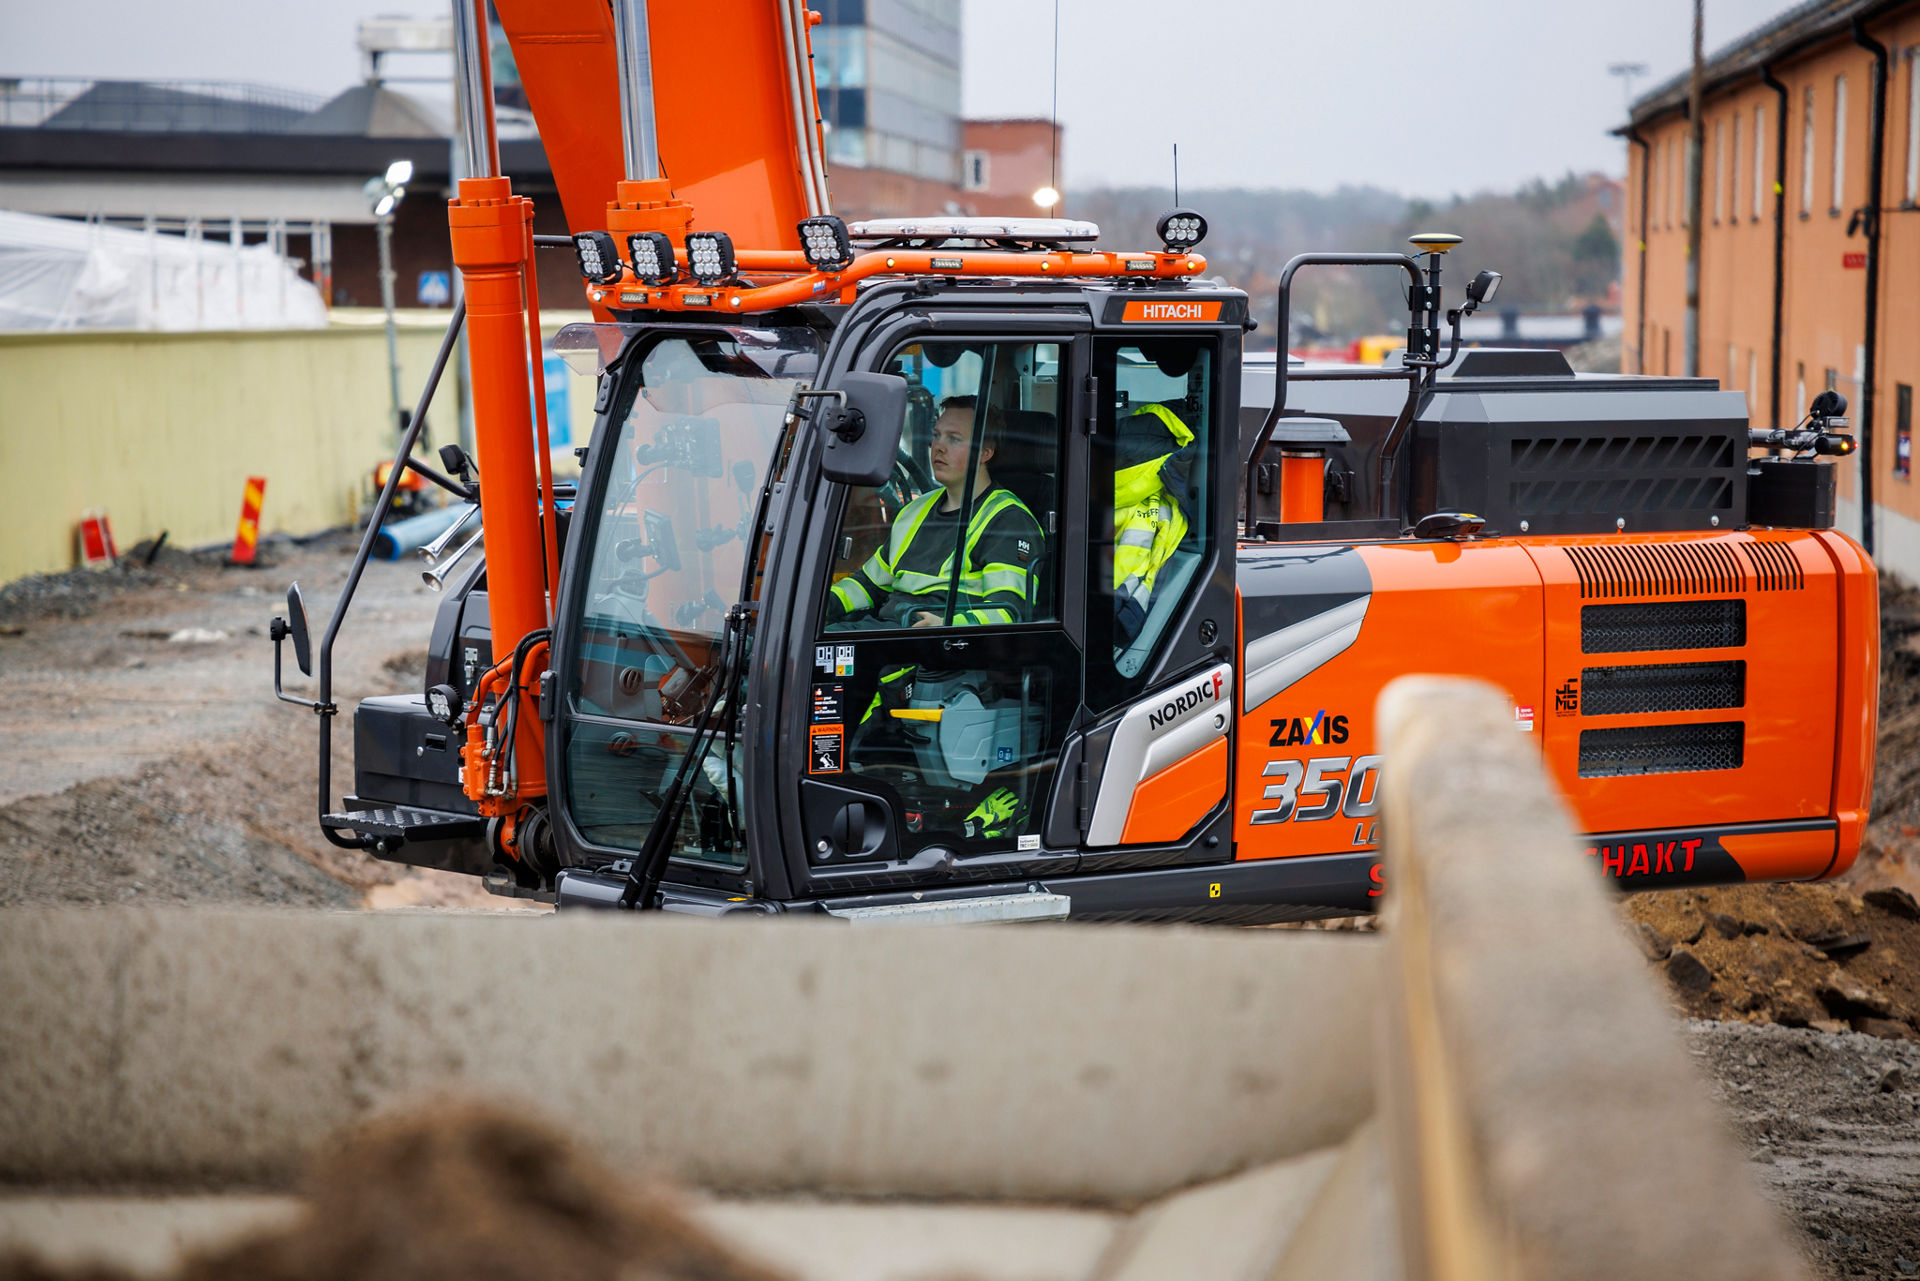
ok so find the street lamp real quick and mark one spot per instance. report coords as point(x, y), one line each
point(384, 195)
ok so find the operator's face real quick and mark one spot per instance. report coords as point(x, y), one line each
point(952, 440)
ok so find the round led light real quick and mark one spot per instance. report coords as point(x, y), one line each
point(1181, 229)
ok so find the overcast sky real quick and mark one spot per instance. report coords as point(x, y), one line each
point(1420, 97)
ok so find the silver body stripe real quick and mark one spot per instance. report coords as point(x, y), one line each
point(1276, 661)
point(1141, 749)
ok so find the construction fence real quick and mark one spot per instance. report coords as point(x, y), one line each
point(162, 430)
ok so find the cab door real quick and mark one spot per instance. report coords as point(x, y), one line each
point(938, 624)
point(1152, 762)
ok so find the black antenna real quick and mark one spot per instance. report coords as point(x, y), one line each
point(1053, 172)
point(1176, 175)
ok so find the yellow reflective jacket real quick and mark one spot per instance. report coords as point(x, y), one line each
point(1147, 521)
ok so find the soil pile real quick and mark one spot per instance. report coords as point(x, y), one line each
point(1832, 1126)
point(1890, 854)
point(1802, 955)
point(471, 1191)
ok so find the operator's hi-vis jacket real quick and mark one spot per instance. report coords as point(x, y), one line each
point(1147, 523)
point(911, 572)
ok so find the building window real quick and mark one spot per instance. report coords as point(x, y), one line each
point(1913, 125)
point(1806, 155)
point(1799, 391)
point(1903, 430)
point(1667, 179)
point(1719, 171)
point(1733, 170)
point(1733, 367)
point(974, 170)
point(1759, 159)
point(1666, 351)
point(1839, 141)
point(1753, 379)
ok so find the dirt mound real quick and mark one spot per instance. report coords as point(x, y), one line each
point(1803, 955)
point(1832, 1125)
point(470, 1191)
point(1890, 854)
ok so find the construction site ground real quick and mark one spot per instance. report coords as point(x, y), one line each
point(148, 764)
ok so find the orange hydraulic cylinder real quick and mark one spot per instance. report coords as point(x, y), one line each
point(1303, 485)
point(489, 231)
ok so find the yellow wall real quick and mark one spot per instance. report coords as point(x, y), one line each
point(162, 430)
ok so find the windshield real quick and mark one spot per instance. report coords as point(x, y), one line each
point(674, 506)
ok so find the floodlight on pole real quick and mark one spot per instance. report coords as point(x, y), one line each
point(1046, 197)
point(384, 195)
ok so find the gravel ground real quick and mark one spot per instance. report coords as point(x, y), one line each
point(1831, 1122)
point(147, 759)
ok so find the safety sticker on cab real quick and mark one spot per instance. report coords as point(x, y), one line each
point(825, 745)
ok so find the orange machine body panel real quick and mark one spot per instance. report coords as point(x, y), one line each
point(1169, 804)
point(1682, 688)
point(1307, 761)
point(724, 125)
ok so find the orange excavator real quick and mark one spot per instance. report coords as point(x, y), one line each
point(958, 569)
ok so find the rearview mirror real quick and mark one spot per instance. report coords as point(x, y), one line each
point(297, 630)
point(863, 431)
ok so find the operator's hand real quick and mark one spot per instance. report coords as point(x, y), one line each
point(924, 619)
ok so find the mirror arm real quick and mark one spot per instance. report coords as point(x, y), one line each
point(1454, 316)
point(279, 631)
point(471, 493)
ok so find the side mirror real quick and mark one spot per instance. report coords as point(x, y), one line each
point(297, 630)
point(1483, 287)
point(863, 432)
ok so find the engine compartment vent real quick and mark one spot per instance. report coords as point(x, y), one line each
point(1659, 569)
point(1662, 749)
point(1680, 624)
point(1775, 568)
point(1663, 687)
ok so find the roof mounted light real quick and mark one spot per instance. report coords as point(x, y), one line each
point(990, 232)
point(651, 253)
point(1180, 230)
point(825, 243)
point(598, 257)
point(710, 256)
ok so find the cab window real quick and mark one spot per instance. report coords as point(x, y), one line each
point(962, 534)
point(1151, 525)
point(944, 683)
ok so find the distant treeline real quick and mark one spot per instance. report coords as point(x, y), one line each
point(1551, 241)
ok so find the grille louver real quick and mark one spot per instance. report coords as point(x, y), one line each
point(1681, 624)
point(1662, 687)
point(1662, 749)
point(1614, 571)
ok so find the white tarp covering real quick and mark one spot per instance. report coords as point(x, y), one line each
point(59, 274)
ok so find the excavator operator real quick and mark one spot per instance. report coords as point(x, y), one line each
point(1149, 520)
point(905, 581)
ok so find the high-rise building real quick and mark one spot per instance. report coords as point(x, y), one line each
point(888, 74)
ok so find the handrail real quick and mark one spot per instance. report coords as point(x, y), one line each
point(1411, 373)
point(384, 504)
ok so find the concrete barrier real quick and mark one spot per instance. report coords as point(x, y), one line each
point(1542, 1115)
point(1491, 1089)
point(1100, 1066)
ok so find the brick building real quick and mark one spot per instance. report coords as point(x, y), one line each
point(1808, 277)
point(1006, 162)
